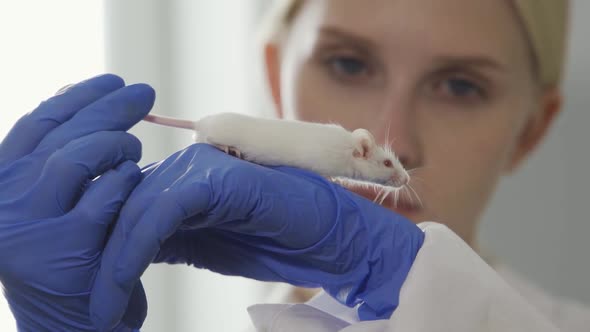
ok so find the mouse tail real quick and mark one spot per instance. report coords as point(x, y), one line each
point(170, 122)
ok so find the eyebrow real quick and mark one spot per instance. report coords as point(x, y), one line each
point(480, 61)
point(339, 33)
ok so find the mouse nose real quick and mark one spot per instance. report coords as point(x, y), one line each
point(400, 179)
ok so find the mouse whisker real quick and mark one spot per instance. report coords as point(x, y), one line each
point(376, 197)
point(415, 194)
point(416, 178)
point(409, 195)
point(386, 193)
point(388, 141)
point(387, 132)
point(383, 196)
point(394, 195)
point(410, 171)
point(403, 195)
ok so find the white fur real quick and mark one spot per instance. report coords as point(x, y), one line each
point(326, 149)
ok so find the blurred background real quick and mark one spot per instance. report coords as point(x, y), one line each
point(200, 56)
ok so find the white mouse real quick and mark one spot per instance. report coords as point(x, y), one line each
point(327, 149)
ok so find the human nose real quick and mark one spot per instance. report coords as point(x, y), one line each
point(396, 125)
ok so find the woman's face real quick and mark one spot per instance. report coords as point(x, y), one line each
point(449, 83)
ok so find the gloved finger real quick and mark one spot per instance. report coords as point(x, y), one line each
point(69, 169)
point(137, 308)
point(63, 89)
point(155, 226)
point(131, 248)
point(293, 207)
point(234, 254)
point(118, 111)
point(270, 215)
point(30, 129)
point(101, 202)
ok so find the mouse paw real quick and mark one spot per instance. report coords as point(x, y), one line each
point(223, 148)
point(235, 152)
point(229, 150)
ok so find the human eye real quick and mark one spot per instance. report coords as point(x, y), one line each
point(461, 89)
point(346, 65)
point(347, 68)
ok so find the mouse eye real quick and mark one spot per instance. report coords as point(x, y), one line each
point(387, 163)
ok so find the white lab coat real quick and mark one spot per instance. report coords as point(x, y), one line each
point(449, 288)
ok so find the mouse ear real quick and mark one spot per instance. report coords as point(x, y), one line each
point(363, 143)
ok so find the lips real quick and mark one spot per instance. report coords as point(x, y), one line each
point(406, 202)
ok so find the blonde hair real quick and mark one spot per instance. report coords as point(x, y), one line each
point(545, 22)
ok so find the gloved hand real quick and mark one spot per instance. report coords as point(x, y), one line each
point(203, 207)
point(54, 211)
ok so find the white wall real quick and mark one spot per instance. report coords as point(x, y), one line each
point(539, 222)
point(45, 45)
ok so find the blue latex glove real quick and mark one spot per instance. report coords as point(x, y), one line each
point(205, 208)
point(54, 212)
